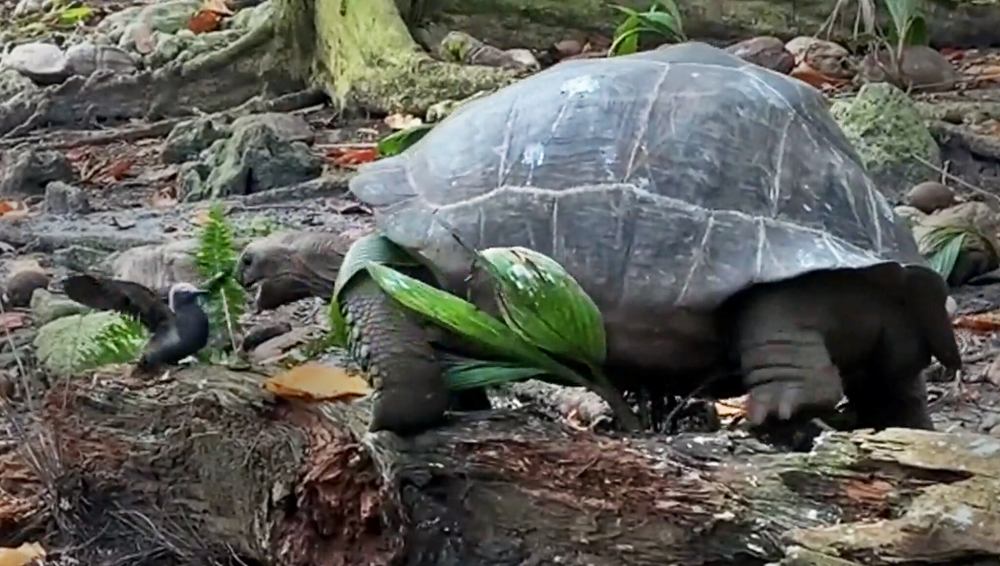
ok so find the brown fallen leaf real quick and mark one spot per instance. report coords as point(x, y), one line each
point(315, 382)
point(979, 322)
point(10, 209)
point(205, 21)
point(21, 555)
point(731, 408)
point(9, 206)
point(351, 157)
point(12, 320)
point(163, 198)
point(119, 169)
point(805, 73)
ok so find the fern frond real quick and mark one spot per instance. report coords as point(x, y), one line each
point(216, 255)
point(120, 341)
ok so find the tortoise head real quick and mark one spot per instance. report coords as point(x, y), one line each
point(292, 265)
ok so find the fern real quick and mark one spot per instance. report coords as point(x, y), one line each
point(120, 341)
point(217, 255)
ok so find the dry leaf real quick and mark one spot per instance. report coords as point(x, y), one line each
point(163, 198)
point(351, 157)
point(981, 322)
point(142, 38)
point(21, 555)
point(205, 21)
point(9, 206)
point(12, 320)
point(119, 169)
point(731, 408)
point(200, 217)
point(402, 121)
point(313, 382)
point(812, 77)
point(13, 209)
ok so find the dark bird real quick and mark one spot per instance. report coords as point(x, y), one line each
point(179, 326)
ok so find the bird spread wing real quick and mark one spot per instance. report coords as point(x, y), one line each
point(126, 297)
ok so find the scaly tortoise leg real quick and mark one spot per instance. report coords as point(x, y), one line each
point(786, 365)
point(411, 393)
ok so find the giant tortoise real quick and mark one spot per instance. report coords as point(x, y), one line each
point(712, 209)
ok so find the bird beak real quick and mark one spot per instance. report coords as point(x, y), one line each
point(200, 292)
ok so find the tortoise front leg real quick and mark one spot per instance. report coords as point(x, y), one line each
point(391, 345)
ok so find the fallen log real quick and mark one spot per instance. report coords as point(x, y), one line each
point(207, 467)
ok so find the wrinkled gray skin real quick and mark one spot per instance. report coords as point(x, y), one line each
point(290, 265)
point(713, 210)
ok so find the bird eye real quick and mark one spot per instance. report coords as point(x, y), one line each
point(247, 259)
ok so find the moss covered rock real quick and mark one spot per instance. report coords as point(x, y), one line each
point(79, 342)
point(263, 152)
point(890, 136)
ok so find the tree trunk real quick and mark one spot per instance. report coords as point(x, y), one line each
point(208, 467)
point(539, 23)
point(359, 52)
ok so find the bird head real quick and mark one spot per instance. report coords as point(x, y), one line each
point(183, 294)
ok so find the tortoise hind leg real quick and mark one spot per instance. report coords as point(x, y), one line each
point(393, 348)
point(784, 359)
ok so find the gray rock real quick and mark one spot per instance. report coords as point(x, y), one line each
point(29, 171)
point(25, 7)
point(132, 26)
point(930, 196)
point(157, 266)
point(887, 130)
point(287, 127)
point(525, 58)
point(21, 285)
point(86, 58)
point(249, 18)
point(921, 68)
point(767, 51)
point(827, 57)
point(184, 45)
point(264, 152)
point(43, 63)
point(13, 83)
point(79, 258)
point(46, 307)
point(62, 198)
point(189, 138)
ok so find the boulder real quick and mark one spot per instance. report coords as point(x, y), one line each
point(885, 127)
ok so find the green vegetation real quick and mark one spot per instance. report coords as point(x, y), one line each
point(547, 317)
point(217, 255)
point(662, 19)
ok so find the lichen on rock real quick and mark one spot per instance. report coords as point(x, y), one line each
point(264, 152)
point(891, 137)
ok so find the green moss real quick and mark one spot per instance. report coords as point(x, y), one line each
point(365, 55)
point(885, 127)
